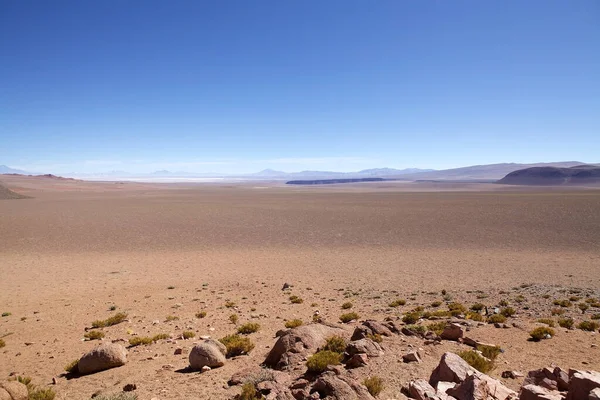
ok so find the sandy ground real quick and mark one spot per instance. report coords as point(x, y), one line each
point(77, 248)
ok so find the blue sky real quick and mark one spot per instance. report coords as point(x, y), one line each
point(238, 86)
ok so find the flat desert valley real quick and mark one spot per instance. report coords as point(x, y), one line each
point(76, 252)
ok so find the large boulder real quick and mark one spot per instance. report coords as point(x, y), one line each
point(295, 344)
point(331, 386)
point(377, 327)
point(533, 392)
point(472, 388)
point(420, 389)
point(103, 357)
point(452, 368)
point(452, 332)
point(582, 383)
point(208, 353)
point(13, 390)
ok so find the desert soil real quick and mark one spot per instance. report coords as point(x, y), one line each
point(76, 249)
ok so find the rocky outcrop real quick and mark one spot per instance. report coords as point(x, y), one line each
point(331, 386)
point(364, 346)
point(295, 344)
point(582, 384)
point(103, 357)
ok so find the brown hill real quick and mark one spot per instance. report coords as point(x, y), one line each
point(580, 175)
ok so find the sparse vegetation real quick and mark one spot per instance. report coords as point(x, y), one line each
point(583, 307)
point(590, 326)
point(374, 385)
point(6, 314)
point(411, 317)
point(94, 335)
point(490, 352)
point(508, 312)
point(171, 318)
point(118, 396)
point(347, 305)
point(294, 323)
point(375, 337)
point(114, 320)
point(249, 392)
point(496, 319)
point(237, 345)
point(72, 366)
point(335, 343)
point(233, 318)
point(41, 394)
point(437, 327)
point(229, 304)
point(474, 316)
point(574, 298)
point(345, 318)
point(456, 309)
point(557, 311)
point(562, 303)
point(475, 360)
point(541, 333)
point(503, 303)
point(477, 307)
point(248, 328)
point(112, 308)
point(397, 302)
point(548, 321)
point(296, 300)
point(2, 343)
point(417, 329)
point(319, 361)
point(142, 340)
point(188, 334)
point(201, 314)
point(436, 303)
point(594, 316)
point(566, 323)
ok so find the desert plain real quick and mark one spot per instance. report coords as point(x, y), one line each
point(76, 252)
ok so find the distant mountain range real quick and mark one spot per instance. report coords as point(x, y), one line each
point(489, 172)
point(553, 176)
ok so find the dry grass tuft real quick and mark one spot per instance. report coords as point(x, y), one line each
point(114, 320)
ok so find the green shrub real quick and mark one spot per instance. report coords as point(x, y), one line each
point(590, 326)
point(201, 314)
point(566, 323)
point(477, 361)
point(440, 314)
point(475, 316)
point(437, 327)
point(249, 392)
point(94, 335)
point(417, 329)
point(374, 385)
point(335, 343)
point(583, 307)
point(496, 319)
point(397, 302)
point(456, 309)
point(319, 361)
point(508, 311)
point(562, 303)
point(171, 318)
point(114, 320)
point(490, 352)
point(188, 334)
point(140, 340)
point(547, 321)
point(346, 306)
point(41, 394)
point(477, 307)
point(503, 303)
point(345, 318)
point(294, 323)
point(296, 300)
point(237, 345)
point(540, 333)
point(72, 366)
point(411, 317)
point(375, 337)
point(248, 328)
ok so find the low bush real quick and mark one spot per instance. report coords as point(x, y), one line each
point(2, 343)
point(436, 303)
point(335, 343)
point(346, 306)
point(496, 319)
point(477, 307)
point(188, 334)
point(233, 318)
point(475, 360)
point(319, 361)
point(237, 345)
point(72, 366)
point(547, 321)
point(94, 335)
point(171, 318)
point(583, 307)
point(201, 314)
point(456, 309)
point(249, 392)
point(590, 326)
point(117, 396)
point(411, 317)
point(248, 328)
point(557, 311)
point(375, 337)
point(508, 312)
point(114, 320)
point(293, 323)
point(488, 351)
point(417, 329)
point(143, 340)
point(374, 385)
point(437, 327)
point(541, 332)
point(562, 303)
point(474, 316)
point(345, 318)
point(566, 323)
point(296, 300)
point(397, 302)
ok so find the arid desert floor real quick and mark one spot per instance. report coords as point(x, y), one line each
point(76, 252)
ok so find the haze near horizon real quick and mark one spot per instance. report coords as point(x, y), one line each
point(233, 87)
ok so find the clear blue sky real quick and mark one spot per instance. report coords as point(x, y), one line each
point(238, 86)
